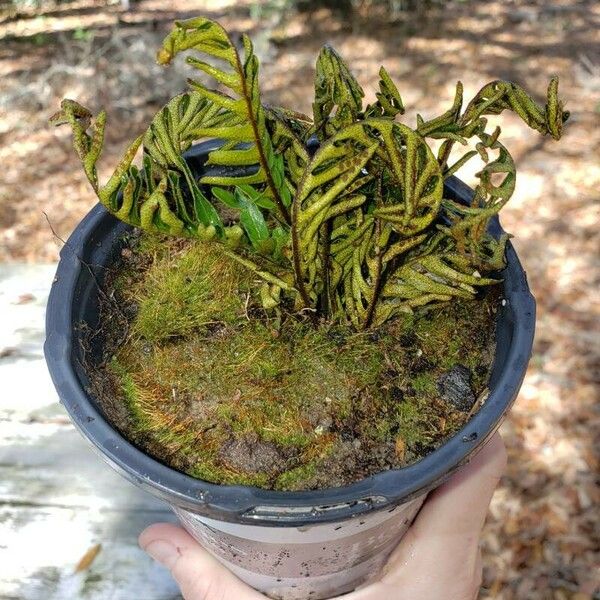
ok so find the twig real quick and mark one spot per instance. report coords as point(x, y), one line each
point(87, 266)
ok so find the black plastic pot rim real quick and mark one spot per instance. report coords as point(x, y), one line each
point(249, 505)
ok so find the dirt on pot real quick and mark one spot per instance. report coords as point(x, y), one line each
point(198, 375)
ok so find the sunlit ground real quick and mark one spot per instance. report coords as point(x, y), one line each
point(543, 535)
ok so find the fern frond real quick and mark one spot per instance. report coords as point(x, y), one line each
point(389, 102)
point(361, 246)
point(242, 116)
point(438, 276)
point(416, 172)
point(335, 88)
point(319, 197)
point(446, 124)
point(89, 147)
point(493, 99)
point(287, 134)
point(469, 224)
point(498, 96)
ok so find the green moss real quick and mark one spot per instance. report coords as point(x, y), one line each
point(194, 377)
point(183, 292)
point(424, 383)
point(452, 355)
point(148, 418)
point(295, 478)
point(128, 387)
point(211, 472)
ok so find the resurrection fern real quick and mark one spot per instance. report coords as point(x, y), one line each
point(241, 116)
point(342, 215)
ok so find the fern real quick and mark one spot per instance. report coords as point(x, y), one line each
point(357, 232)
point(335, 88)
point(389, 102)
point(243, 118)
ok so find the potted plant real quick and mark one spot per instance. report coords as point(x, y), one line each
point(318, 322)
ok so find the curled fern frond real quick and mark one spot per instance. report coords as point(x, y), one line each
point(415, 171)
point(320, 198)
point(445, 125)
point(492, 99)
point(469, 224)
point(497, 96)
point(89, 147)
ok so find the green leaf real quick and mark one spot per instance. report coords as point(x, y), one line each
point(251, 219)
point(257, 197)
point(226, 197)
point(205, 212)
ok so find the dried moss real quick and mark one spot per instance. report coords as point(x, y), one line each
point(307, 406)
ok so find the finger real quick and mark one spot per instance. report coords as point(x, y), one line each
point(445, 535)
point(457, 509)
point(439, 556)
point(199, 575)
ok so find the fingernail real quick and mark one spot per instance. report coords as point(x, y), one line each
point(162, 551)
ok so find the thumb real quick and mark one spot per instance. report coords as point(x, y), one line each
point(199, 575)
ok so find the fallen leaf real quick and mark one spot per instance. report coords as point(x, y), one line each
point(88, 558)
point(25, 299)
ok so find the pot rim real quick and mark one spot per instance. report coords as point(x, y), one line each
point(99, 232)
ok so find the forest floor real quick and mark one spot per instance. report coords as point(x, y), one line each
point(542, 537)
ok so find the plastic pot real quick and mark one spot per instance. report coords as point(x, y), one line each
point(290, 545)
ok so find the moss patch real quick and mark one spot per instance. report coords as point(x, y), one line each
point(210, 384)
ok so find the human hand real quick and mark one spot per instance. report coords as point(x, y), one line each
point(439, 556)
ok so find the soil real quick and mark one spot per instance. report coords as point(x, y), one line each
point(277, 403)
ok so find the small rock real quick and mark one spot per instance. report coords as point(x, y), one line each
point(324, 425)
point(455, 387)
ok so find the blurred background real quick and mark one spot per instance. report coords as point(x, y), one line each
point(67, 525)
